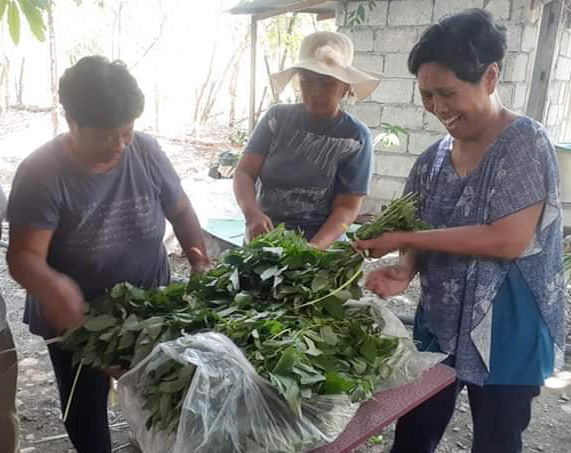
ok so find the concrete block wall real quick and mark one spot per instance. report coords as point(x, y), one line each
point(382, 44)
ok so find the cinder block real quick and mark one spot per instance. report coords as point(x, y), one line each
point(405, 116)
point(395, 39)
point(417, 100)
point(552, 115)
point(500, 9)
point(396, 64)
point(506, 92)
point(515, 32)
point(369, 62)
point(362, 38)
point(368, 112)
point(387, 188)
point(396, 91)
point(563, 68)
point(442, 7)
point(419, 142)
point(372, 205)
point(394, 164)
point(375, 16)
point(410, 12)
point(515, 67)
point(529, 38)
point(520, 96)
point(525, 11)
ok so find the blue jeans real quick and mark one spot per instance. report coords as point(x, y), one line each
point(500, 414)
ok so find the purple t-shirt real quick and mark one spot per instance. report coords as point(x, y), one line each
point(107, 227)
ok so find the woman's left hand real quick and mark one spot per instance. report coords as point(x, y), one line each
point(380, 246)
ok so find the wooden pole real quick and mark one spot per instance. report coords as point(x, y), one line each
point(544, 60)
point(253, 45)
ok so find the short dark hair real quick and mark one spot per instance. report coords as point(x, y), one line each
point(98, 93)
point(466, 43)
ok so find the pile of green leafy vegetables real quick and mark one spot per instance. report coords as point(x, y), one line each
point(281, 301)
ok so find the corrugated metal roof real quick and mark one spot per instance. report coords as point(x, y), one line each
point(265, 6)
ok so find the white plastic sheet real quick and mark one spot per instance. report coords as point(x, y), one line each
point(230, 409)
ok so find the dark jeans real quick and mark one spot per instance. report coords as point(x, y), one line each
point(500, 414)
point(87, 423)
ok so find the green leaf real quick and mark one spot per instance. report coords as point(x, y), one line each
point(269, 273)
point(359, 365)
point(361, 14)
point(3, 5)
point(235, 280)
point(335, 384)
point(328, 335)
point(278, 251)
point(14, 22)
point(100, 323)
point(368, 350)
point(320, 282)
point(311, 349)
point(286, 362)
point(334, 307)
point(131, 323)
point(34, 16)
point(243, 299)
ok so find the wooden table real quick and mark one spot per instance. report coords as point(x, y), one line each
point(387, 406)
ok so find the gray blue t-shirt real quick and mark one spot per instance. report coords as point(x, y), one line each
point(107, 227)
point(307, 163)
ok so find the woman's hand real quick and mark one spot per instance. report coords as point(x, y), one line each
point(380, 246)
point(62, 303)
point(389, 281)
point(258, 223)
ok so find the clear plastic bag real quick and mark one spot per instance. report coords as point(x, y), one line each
point(230, 409)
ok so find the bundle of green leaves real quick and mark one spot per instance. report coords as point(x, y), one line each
point(399, 215)
point(280, 300)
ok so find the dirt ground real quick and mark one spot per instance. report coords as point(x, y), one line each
point(40, 415)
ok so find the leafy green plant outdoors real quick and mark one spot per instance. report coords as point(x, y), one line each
point(359, 14)
point(12, 10)
point(389, 135)
point(281, 301)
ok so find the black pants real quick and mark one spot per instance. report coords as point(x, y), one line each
point(87, 423)
point(500, 414)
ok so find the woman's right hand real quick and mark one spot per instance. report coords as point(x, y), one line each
point(258, 223)
point(389, 281)
point(62, 303)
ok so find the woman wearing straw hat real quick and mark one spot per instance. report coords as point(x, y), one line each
point(313, 160)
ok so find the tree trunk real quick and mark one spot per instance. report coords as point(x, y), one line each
point(290, 26)
point(53, 67)
point(6, 83)
point(4, 86)
point(198, 105)
point(119, 26)
point(20, 84)
point(157, 106)
point(233, 85)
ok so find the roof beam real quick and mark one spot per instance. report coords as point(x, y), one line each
point(293, 7)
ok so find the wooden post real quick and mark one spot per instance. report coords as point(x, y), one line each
point(544, 60)
point(253, 45)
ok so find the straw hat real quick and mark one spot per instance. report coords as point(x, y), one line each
point(329, 53)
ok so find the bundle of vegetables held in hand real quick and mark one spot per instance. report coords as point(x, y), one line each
point(399, 215)
point(278, 299)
